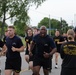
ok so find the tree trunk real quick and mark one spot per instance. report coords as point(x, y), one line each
point(4, 18)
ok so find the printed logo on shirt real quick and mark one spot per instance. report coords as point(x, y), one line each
point(14, 44)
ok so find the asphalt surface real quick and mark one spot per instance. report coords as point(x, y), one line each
point(25, 70)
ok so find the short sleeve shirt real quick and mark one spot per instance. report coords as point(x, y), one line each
point(58, 39)
point(68, 54)
point(15, 42)
point(28, 40)
point(43, 44)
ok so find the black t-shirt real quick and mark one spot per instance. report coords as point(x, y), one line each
point(15, 42)
point(58, 39)
point(43, 44)
point(28, 40)
point(68, 54)
point(65, 38)
point(1, 44)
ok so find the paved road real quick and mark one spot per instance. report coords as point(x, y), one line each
point(25, 70)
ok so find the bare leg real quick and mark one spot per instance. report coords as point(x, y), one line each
point(56, 59)
point(31, 65)
point(27, 58)
point(8, 72)
point(36, 70)
point(16, 73)
point(46, 72)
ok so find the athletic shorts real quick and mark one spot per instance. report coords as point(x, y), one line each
point(26, 52)
point(41, 62)
point(58, 50)
point(14, 64)
point(65, 71)
point(31, 58)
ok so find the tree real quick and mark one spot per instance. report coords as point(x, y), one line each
point(64, 26)
point(44, 21)
point(54, 24)
point(1, 27)
point(17, 10)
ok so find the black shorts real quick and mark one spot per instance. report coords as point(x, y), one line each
point(65, 71)
point(14, 64)
point(41, 62)
point(26, 52)
point(58, 50)
point(31, 58)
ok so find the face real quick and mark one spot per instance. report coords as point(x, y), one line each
point(64, 34)
point(57, 33)
point(6, 33)
point(38, 31)
point(11, 32)
point(29, 32)
point(75, 34)
point(43, 31)
point(35, 32)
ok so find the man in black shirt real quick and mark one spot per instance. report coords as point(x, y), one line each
point(14, 47)
point(35, 32)
point(68, 54)
point(45, 47)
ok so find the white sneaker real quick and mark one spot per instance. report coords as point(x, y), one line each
point(56, 66)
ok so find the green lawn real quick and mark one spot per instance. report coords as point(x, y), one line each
point(23, 40)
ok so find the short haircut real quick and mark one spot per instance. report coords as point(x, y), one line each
point(11, 27)
point(35, 28)
point(43, 27)
point(28, 29)
point(57, 30)
point(70, 32)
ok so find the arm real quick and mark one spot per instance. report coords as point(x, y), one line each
point(52, 52)
point(61, 40)
point(52, 49)
point(31, 47)
point(61, 52)
point(21, 49)
point(4, 49)
point(32, 44)
point(47, 55)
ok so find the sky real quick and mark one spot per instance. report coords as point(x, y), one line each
point(55, 9)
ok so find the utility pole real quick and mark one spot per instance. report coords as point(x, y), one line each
point(61, 25)
point(49, 26)
point(74, 20)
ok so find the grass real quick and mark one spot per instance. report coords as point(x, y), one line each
point(23, 40)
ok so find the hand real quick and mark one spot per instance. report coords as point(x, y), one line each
point(46, 55)
point(30, 53)
point(65, 41)
point(58, 42)
point(0, 53)
point(13, 49)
